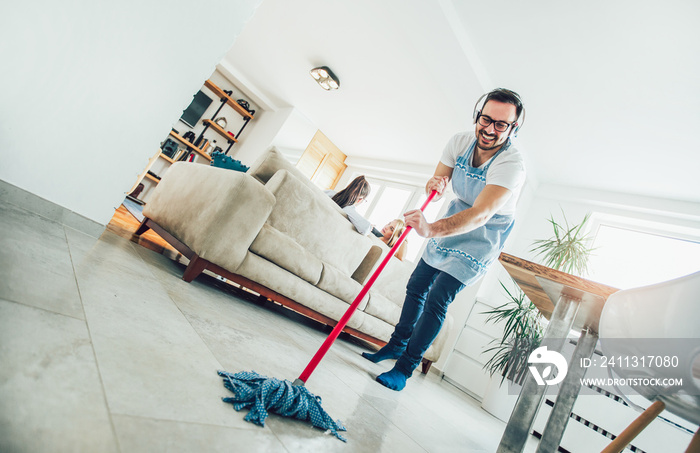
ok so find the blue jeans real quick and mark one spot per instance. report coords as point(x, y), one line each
point(428, 294)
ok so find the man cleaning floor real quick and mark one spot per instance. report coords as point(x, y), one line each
point(487, 174)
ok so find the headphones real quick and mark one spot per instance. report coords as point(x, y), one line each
point(502, 93)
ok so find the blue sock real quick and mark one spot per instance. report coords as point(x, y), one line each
point(393, 379)
point(387, 352)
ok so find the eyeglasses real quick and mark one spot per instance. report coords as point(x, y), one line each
point(500, 126)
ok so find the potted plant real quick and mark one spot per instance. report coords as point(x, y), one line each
point(522, 334)
point(568, 250)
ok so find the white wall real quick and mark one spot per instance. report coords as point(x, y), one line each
point(294, 135)
point(537, 204)
point(285, 129)
point(259, 138)
point(90, 88)
point(400, 172)
point(575, 203)
point(275, 123)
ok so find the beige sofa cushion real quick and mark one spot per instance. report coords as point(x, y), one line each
point(282, 250)
point(307, 216)
point(216, 212)
point(391, 283)
point(341, 286)
point(381, 307)
point(271, 161)
point(277, 279)
point(375, 327)
point(389, 291)
point(382, 250)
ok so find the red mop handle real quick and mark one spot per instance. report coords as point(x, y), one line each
point(351, 310)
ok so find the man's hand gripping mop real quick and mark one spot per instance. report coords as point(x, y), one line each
point(261, 393)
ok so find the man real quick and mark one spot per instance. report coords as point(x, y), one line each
point(487, 174)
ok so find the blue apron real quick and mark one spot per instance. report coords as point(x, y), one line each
point(468, 256)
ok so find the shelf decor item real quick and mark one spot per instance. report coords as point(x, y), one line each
point(246, 105)
point(169, 148)
point(189, 136)
point(192, 114)
point(221, 122)
point(135, 194)
point(221, 160)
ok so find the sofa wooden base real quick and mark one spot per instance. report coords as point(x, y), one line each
point(197, 265)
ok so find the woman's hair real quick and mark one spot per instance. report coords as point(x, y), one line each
point(398, 231)
point(358, 188)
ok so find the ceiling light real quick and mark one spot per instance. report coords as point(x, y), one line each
point(325, 77)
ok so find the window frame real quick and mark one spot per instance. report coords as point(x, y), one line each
point(663, 227)
point(384, 183)
point(413, 202)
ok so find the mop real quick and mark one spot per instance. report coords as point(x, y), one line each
point(261, 394)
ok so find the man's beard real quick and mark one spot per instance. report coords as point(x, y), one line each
point(493, 145)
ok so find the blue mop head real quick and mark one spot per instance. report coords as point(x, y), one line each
point(260, 393)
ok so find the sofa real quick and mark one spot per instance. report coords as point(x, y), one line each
point(272, 231)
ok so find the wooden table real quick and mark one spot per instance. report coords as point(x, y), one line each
point(569, 303)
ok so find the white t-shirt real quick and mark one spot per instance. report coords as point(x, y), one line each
point(507, 169)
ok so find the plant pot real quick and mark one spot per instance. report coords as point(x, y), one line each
point(499, 399)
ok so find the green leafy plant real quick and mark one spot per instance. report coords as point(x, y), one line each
point(522, 334)
point(568, 250)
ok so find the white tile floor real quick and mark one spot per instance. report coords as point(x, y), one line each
point(104, 348)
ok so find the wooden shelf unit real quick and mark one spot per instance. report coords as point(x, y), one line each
point(225, 99)
point(163, 156)
point(229, 100)
point(190, 145)
point(218, 129)
point(152, 178)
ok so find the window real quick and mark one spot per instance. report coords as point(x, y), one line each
point(388, 203)
point(627, 256)
point(389, 200)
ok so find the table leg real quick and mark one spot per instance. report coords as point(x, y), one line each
point(520, 422)
point(568, 392)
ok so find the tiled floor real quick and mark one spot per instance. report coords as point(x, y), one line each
point(104, 348)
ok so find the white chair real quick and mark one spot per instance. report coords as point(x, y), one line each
point(638, 323)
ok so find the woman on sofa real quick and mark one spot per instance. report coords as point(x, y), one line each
point(391, 233)
point(355, 193)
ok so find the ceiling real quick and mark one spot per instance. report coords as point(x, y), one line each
point(610, 88)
